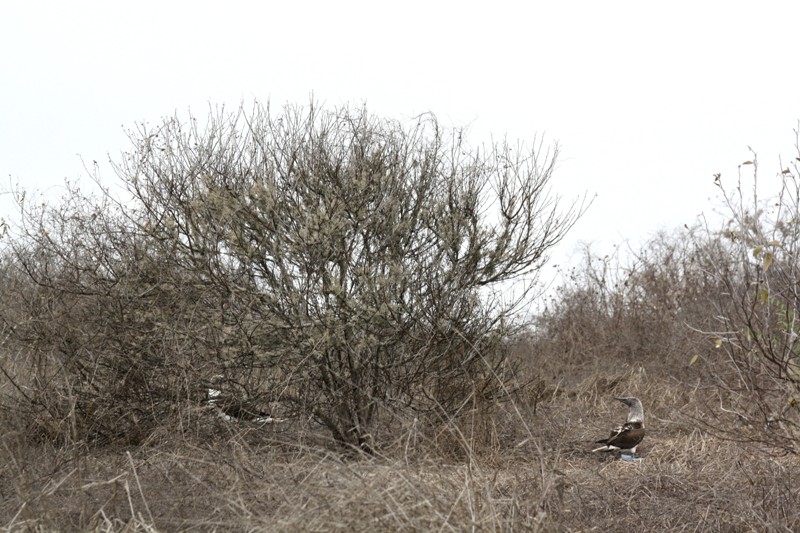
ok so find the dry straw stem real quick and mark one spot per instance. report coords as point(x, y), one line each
point(249, 480)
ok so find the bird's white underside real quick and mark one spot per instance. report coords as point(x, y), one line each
point(214, 395)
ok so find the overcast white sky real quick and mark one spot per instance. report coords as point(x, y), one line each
point(647, 100)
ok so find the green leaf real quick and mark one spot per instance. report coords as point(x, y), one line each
point(757, 250)
point(693, 360)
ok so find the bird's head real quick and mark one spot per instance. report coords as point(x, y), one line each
point(636, 413)
point(630, 401)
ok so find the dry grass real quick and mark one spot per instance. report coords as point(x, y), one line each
point(508, 470)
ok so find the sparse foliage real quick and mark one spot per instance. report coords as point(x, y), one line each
point(630, 308)
point(348, 266)
point(756, 259)
point(349, 253)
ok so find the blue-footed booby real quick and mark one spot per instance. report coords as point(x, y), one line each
point(231, 408)
point(628, 435)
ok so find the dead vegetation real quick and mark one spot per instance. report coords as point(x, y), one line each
point(409, 402)
point(509, 470)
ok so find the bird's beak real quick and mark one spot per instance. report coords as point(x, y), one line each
point(623, 400)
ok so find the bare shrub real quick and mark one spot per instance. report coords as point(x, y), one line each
point(628, 310)
point(106, 329)
point(349, 267)
point(353, 252)
point(756, 259)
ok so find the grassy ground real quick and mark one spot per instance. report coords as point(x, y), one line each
point(524, 466)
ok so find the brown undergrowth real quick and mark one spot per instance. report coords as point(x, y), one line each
point(506, 469)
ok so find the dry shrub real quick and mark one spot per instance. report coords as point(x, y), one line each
point(626, 313)
point(341, 261)
point(756, 260)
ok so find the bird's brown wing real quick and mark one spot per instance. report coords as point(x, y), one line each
point(614, 434)
point(626, 436)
